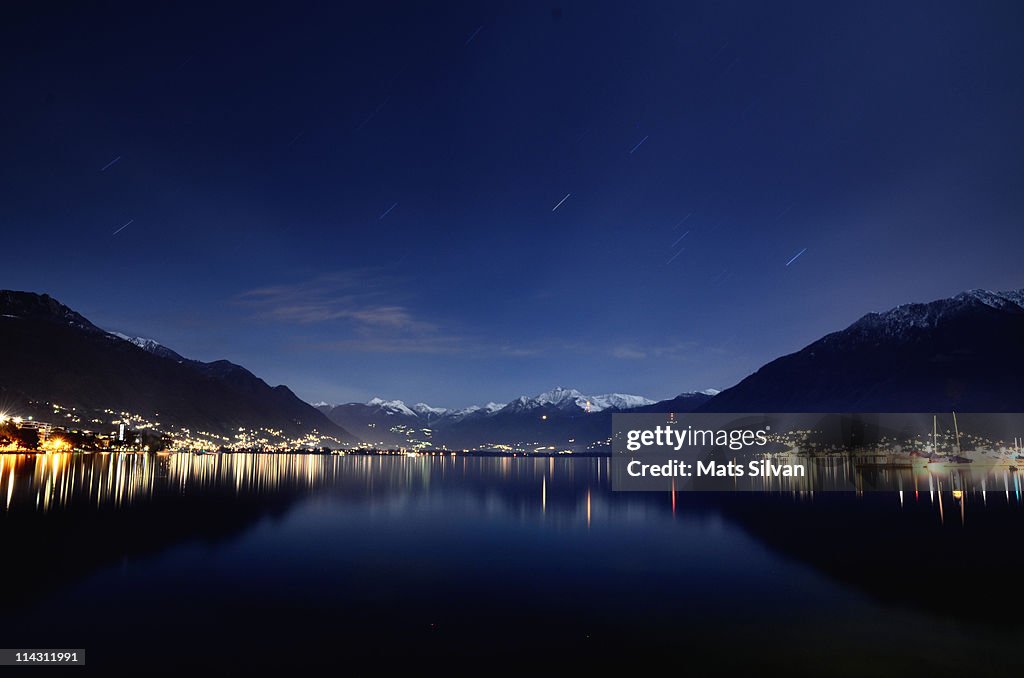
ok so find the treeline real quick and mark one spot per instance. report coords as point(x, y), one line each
point(15, 436)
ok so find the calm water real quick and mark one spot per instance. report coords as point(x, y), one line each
point(295, 560)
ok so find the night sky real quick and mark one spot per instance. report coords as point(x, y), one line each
point(360, 200)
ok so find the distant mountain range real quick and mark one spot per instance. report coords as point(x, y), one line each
point(958, 354)
point(52, 354)
point(962, 354)
point(562, 418)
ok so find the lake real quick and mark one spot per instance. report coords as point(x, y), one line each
point(444, 562)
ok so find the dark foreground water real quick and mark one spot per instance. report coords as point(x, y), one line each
point(472, 565)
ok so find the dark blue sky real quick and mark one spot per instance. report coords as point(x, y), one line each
point(358, 200)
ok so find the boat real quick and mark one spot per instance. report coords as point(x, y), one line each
point(957, 458)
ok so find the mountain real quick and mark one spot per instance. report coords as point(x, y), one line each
point(957, 354)
point(571, 400)
point(151, 346)
point(426, 411)
point(379, 423)
point(684, 402)
point(52, 354)
point(562, 417)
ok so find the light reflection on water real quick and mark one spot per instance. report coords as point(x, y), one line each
point(44, 482)
point(852, 473)
point(486, 548)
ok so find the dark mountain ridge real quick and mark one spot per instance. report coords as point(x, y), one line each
point(965, 353)
point(53, 354)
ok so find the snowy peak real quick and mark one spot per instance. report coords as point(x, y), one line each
point(906, 320)
point(143, 343)
point(617, 401)
point(557, 396)
point(425, 410)
point(567, 399)
point(489, 408)
point(570, 398)
point(961, 353)
point(711, 392)
point(149, 346)
point(999, 300)
point(391, 406)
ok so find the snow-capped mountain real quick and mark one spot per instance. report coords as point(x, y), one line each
point(560, 397)
point(391, 407)
point(907, 319)
point(428, 412)
point(962, 353)
point(141, 342)
point(392, 422)
point(150, 346)
point(425, 410)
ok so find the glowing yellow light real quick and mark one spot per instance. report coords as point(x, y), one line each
point(55, 444)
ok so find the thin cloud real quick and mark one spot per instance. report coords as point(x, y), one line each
point(362, 298)
point(682, 350)
point(361, 309)
point(358, 308)
point(436, 345)
point(627, 353)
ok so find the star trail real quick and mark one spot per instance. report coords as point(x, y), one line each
point(458, 203)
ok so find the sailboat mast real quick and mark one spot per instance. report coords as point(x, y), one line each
point(957, 430)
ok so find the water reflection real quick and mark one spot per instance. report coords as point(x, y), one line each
point(366, 549)
point(851, 473)
point(50, 482)
point(46, 482)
